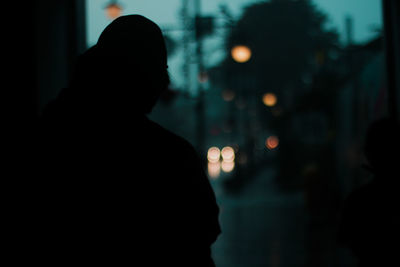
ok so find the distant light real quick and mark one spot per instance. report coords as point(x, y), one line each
point(113, 10)
point(269, 99)
point(272, 142)
point(213, 154)
point(203, 77)
point(214, 170)
point(228, 154)
point(241, 53)
point(228, 95)
point(227, 166)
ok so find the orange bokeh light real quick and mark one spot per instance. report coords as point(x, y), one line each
point(113, 11)
point(228, 95)
point(269, 99)
point(227, 166)
point(241, 53)
point(272, 142)
point(214, 169)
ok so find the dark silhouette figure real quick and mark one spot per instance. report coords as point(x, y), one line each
point(115, 187)
point(371, 215)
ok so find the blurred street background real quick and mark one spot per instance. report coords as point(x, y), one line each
point(275, 96)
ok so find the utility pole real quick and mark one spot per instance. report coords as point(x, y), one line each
point(200, 116)
point(187, 32)
point(349, 30)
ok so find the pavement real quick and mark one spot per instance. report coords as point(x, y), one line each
point(265, 226)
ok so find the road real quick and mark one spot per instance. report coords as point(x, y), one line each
point(264, 226)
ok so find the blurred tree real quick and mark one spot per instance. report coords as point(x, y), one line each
point(290, 45)
point(288, 40)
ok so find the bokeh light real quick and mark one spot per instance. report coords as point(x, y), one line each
point(214, 169)
point(228, 95)
point(272, 142)
point(228, 154)
point(227, 166)
point(269, 99)
point(241, 53)
point(213, 154)
point(113, 10)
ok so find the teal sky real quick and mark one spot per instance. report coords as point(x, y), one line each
point(366, 14)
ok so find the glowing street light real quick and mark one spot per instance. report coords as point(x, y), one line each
point(241, 53)
point(214, 169)
point(113, 9)
point(228, 154)
point(272, 142)
point(227, 166)
point(213, 154)
point(269, 99)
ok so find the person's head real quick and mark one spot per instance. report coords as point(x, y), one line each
point(127, 68)
point(382, 146)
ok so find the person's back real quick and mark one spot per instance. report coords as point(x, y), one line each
point(115, 185)
point(371, 215)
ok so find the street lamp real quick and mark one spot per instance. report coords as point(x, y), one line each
point(241, 53)
point(228, 154)
point(214, 169)
point(272, 142)
point(227, 166)
point(113, 9)
point(269, 99)
point(213, 154)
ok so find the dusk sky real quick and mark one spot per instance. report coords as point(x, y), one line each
point(366, 14)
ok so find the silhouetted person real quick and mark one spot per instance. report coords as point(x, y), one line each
point(115, 187)
point(371, 215)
